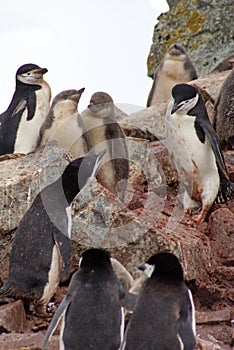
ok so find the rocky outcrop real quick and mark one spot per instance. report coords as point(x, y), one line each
point(202, 27)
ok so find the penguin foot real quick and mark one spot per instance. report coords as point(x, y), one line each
point(202, 216)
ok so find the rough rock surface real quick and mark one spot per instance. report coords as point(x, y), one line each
point(204, 28)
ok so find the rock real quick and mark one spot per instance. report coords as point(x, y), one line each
point(221, 234)
point(202, 344)
point(26, 341)
point(202, 27)
point(12, 317)
point(147, 123)
point(22, 178)
point(213, 316)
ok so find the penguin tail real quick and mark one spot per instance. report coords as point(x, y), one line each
point(5, 291)
point(226, 190)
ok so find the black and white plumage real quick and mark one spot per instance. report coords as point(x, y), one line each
point(164, 315)
point(20, 123)
point(41, 250)
point(101, 131)
point(91, 312)
point(175, 68)
point(224, 113)
point(196, 152)
point(62, 123)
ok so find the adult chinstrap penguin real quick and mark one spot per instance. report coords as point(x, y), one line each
point(40, 257)
point(164, 315)
point(20, 123)
point(195, 149)
point(91, 312)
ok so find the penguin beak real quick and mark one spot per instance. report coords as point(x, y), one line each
point(76, 97)
point(175, 107)
point(39, 72)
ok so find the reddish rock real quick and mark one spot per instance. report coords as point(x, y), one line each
point(213, 316)
point(26, 341)
point(12, 317)
point(220, 230)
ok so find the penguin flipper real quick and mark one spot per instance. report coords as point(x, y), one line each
point(150, 97)
point(56, 318)
point(226, 186)
point(186, 323)
point(63, 243)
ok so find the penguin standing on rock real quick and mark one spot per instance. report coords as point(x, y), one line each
point(175, 68)
point(40, 257)
point(224, 113)
point(62, 123)
point(91, 312)
point(20, 123)
point(103, 132)
point(195, 149)
point(164, 315)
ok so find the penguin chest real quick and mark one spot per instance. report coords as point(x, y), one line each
point(28, 130)
point(194, 160)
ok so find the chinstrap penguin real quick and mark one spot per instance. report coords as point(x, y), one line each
point(164, 315)
point(40, 257)
point(196, 152)
point(62, 123)
point(175, 68)
point(101, 131)
point(224, 113)
point(91, 312)
point(20, 123)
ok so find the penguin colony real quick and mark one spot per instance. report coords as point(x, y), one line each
point(92, 313)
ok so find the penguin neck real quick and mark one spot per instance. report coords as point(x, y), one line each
point(22, 91)
point(70, 186)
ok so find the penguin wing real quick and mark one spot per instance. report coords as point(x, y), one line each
point(63, 243)
point(150, 97)
point(56, 318)
point(20, 107)
point(226, 186)
point(61, 310)
point(185, 324)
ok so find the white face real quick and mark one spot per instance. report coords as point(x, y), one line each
point(149, 269)
point(187, 105)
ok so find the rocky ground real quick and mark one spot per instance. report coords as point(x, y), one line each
point(150, 221)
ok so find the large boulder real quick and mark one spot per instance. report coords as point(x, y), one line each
point(204, 28)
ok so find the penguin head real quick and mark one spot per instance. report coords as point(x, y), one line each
point(65, 103)
point(176, 50)
point(94, 257)
point(30, 74)
point(101, 104)
point(78, 172)
point(164, 266)
point(185, 97)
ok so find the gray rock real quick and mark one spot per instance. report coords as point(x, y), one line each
point(204, 28)
point(22, 178)
point(147, 123)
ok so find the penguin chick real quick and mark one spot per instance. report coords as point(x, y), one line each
point(164, 316)
point(175, 68)
point(224, 113)
point(41, 251)
point(20, 123)
point(61, 123)
point(91, 310)
point(122, 273)
point(195, 149)
point(226, 64)
point(103, 132)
